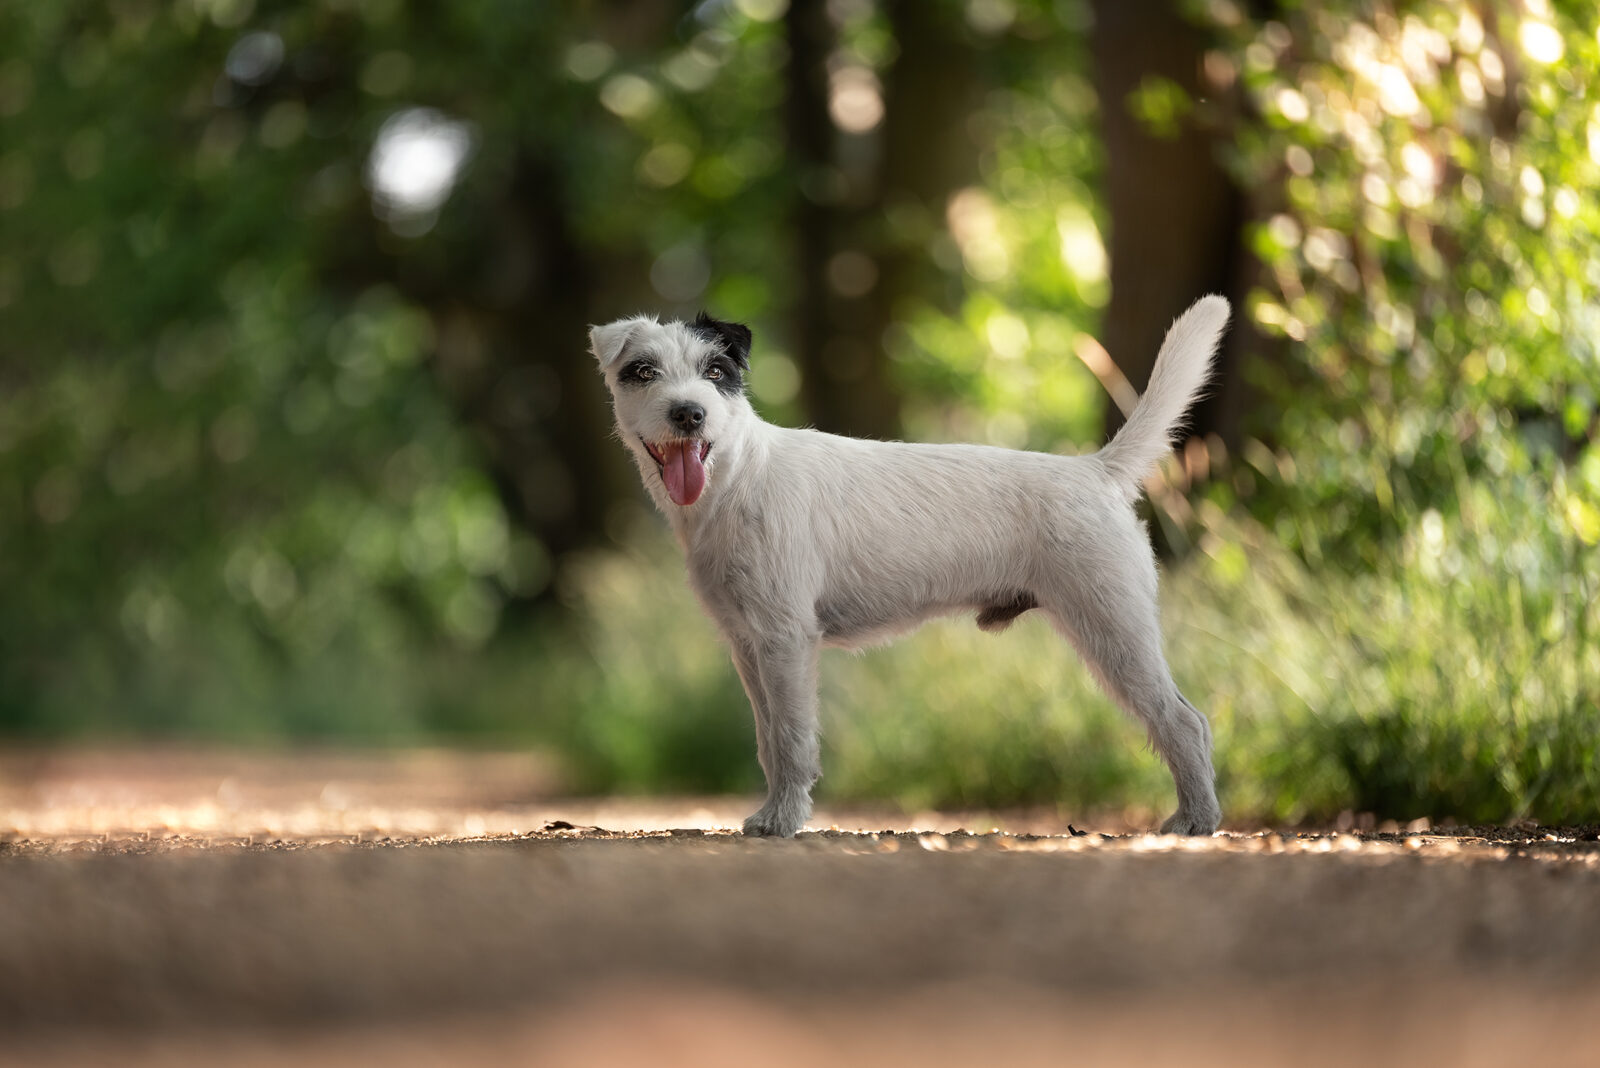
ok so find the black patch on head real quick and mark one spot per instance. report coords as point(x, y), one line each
point(733, 337)
point(638, 373)
point(998, 616)
point(726, 375)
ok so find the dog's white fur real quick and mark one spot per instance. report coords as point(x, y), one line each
point(803, 539)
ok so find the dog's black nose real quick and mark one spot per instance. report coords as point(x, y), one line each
point(687, 417)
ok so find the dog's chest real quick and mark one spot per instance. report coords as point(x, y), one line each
point(738, 562)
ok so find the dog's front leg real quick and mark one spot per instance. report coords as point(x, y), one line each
point(784, 671)
point(745, 663)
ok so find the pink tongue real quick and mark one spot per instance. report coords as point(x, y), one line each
point(685, 475)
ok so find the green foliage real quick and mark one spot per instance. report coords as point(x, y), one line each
point(221, 477)
point(1431, 264)
point(1432, 260)
point(242, 496)
point(1161, 104)
point(643, 697)
point(1023, 249)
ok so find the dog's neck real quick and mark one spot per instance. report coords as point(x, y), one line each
point(737, 456)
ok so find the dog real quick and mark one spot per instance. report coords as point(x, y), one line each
point(797, 539)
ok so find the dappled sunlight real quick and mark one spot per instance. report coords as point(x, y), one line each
point(153, 799)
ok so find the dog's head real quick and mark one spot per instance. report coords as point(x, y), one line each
point(677, 389)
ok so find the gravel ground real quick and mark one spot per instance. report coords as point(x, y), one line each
point(430, 908)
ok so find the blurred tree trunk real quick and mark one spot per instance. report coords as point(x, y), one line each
point(537, 405)
point(510, 306)
point(1176, 214)
point(930, 94)
point(853, 272)
point(809, 131)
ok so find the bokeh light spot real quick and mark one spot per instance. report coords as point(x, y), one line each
point(414, 164)
point(254, 58)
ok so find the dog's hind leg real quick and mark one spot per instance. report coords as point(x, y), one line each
point(1118, 635)
point(784, 672)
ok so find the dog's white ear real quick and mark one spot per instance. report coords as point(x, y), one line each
point(608, 342)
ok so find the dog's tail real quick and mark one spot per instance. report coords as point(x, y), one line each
point(1182, 367)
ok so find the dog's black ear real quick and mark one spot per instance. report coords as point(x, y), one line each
point(733, 337)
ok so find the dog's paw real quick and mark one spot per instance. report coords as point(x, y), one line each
point(775, 821)
point(1192, 823)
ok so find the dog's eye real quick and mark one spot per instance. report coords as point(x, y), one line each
point(639, 372)
point(714, 373)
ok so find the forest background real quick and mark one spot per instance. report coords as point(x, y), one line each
point(300, 441)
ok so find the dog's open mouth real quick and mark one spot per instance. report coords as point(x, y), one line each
point(683, 467)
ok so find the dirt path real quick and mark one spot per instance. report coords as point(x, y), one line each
point(156, 913)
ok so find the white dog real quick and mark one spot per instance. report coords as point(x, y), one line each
point(797, 539)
